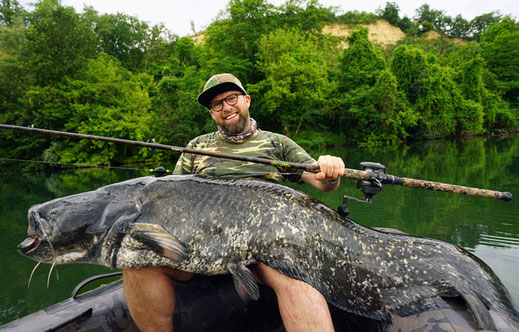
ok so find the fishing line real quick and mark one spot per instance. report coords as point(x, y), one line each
point(112, 167)
point(72, 164)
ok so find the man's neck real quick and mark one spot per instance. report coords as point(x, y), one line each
point(245, 135)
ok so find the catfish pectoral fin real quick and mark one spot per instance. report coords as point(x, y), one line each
point(480, 312)
point(160, 240)
point(244, 281)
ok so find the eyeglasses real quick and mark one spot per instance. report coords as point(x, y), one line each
point(231, 100)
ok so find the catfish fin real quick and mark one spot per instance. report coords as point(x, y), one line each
point(480, 312)
point(244, 281)
point(160, 241)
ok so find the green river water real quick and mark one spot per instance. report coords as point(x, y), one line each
point(486, 227)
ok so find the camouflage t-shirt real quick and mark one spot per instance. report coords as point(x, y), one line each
point(264, 145)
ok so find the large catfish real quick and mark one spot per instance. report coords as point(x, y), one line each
point(217, 226)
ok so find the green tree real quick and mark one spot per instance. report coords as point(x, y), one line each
point(390, 13)
point(186, 51)
point(105, 99)
point(305, 15)
point(481, 23)
point(120, 36)
point(432, 19)
point(173, 58)
point(360, 63)
point(180, 118)
point(408, 65)
point(59, 43)
point(408, 26)
point(133, 42)
point(13, 82)
point(435, 101)
point(371, 109)
point(355, 17)
point(296, 83)
point(12, 39)
point(232, 41)
point(9, 10)
point(156, 46)
point(500, 49)
point(433, 92)
point(472, 79)
point(460, 28)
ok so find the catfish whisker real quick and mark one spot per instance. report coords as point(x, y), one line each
point(46, 237)
point(32, 273)
point(50, 272)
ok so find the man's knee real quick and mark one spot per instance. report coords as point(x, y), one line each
point(150, 296)
point(273, 278)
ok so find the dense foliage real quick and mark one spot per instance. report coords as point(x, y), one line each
point(114, 75)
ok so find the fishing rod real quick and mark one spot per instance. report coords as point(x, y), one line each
point(371, 176)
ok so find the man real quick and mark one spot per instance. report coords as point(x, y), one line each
point(149, 292)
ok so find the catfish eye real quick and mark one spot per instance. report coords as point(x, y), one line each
point(53, 212)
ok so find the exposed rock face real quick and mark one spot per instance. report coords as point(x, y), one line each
point(431, 34)
point(380, 32)
point(198, 38)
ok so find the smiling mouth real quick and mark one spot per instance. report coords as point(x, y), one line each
point(232, 116)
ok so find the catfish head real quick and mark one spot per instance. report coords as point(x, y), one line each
point(78, 228)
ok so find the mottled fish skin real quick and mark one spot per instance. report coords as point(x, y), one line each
point(222, 222)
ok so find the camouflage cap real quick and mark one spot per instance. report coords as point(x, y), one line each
point(217, 84)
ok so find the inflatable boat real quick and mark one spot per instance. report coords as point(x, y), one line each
point(211, 303)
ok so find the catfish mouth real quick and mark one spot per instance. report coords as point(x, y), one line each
point(37, 232)
point(29, 245)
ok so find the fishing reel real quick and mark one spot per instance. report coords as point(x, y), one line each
point(369, 187)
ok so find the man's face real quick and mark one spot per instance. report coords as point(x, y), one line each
point(233, 119)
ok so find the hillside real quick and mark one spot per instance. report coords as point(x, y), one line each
point(380, 32)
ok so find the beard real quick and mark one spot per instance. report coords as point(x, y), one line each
point(237, 127)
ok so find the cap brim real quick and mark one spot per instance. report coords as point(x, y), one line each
point(205, 97)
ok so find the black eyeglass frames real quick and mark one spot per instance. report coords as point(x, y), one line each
point(231, 100)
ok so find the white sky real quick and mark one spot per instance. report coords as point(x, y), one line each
point(177, 15)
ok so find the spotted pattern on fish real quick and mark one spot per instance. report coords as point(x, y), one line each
point(221, 222)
